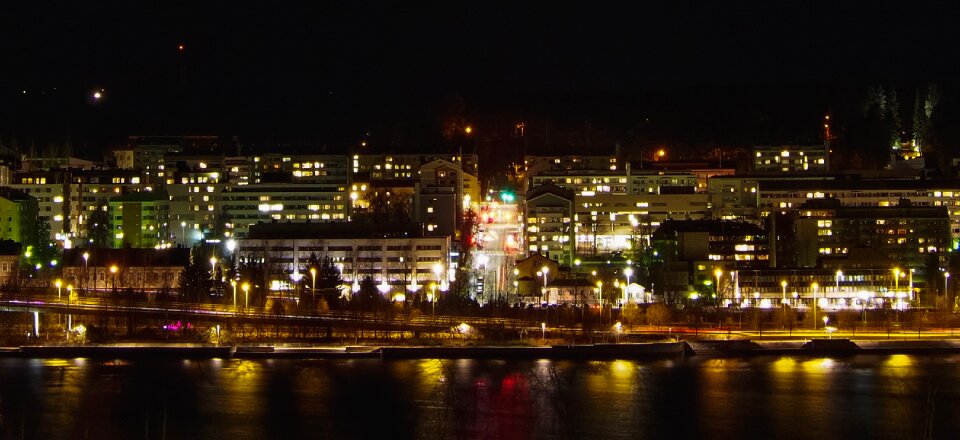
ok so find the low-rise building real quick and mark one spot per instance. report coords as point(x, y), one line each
point(142, 270)
point(830, 289)
point(791, 159)
point(398, 258)
point(9, 263)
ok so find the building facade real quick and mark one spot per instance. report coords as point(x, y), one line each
point(398, 258)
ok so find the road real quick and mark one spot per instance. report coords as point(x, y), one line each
point(495, 259)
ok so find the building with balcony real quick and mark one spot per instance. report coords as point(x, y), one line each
point(549, 229)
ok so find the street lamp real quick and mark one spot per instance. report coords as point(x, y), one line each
point(183, 233)
point(58, 283)
point(233, 283)
point(839, 276)
point(433, 300)
point(814, 286)
point(911, 283)
point(246, 294)
point(544, 270)
point(946, 282)
point(313, 286)
point(628, 272)
point(896, 280)
point(437, 271)
point(86, 256)
point(113, 272)
point(69, 317)
point(783, 301)
point(716, 289)
point(600, 299)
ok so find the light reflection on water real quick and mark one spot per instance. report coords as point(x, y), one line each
point(895, 396)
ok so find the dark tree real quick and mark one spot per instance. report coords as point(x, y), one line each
point(196, 280)
point(98, 228)
point(368, 298)
point(328, 279)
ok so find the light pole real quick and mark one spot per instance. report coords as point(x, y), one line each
point(113, 274)
point(946, 284)
point(839, 276)
point(600, 299)
point(86, 256)
point(246, 295)
point(183, 234)
point(716, 289)
point(783, 301)
point(576, 271)
point(233, 283)
point(58, 283)
point(437, 271)
point(545, 270)
point(911, 283)
point(433, 300)
point(896, 281)
point(213, 272)
point(814, 286)
point(628, 272)
point(313, 285)
point(69, 316)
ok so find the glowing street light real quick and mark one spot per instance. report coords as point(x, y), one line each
point(246, 294)
point(783, 301)
point(86, 257)
point(113, 272)
point(233, 283)
point(716, 289)
point(600, 299)
point(839, 277)
point(814, 286)
point(628, 272)
point(313, 286)
point(543, 271)
point(896, 280)
point(58, 283)
point(946, 280)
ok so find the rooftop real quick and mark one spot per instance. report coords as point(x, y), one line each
point(301, 231)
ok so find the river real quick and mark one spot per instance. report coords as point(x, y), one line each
point(895, 396)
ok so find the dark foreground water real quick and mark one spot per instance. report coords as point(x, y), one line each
point(752, 398)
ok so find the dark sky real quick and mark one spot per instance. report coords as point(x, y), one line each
point(332, 73)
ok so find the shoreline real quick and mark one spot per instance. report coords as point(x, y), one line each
point(625, 351)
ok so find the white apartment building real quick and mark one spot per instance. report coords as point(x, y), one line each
point(396, 257)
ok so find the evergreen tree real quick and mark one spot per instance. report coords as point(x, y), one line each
point(98, 227)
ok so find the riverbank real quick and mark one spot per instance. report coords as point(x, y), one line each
point(651, 350)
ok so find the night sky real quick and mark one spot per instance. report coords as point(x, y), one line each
point(400, 75)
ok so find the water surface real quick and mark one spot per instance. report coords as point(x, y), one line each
point(895, 396)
